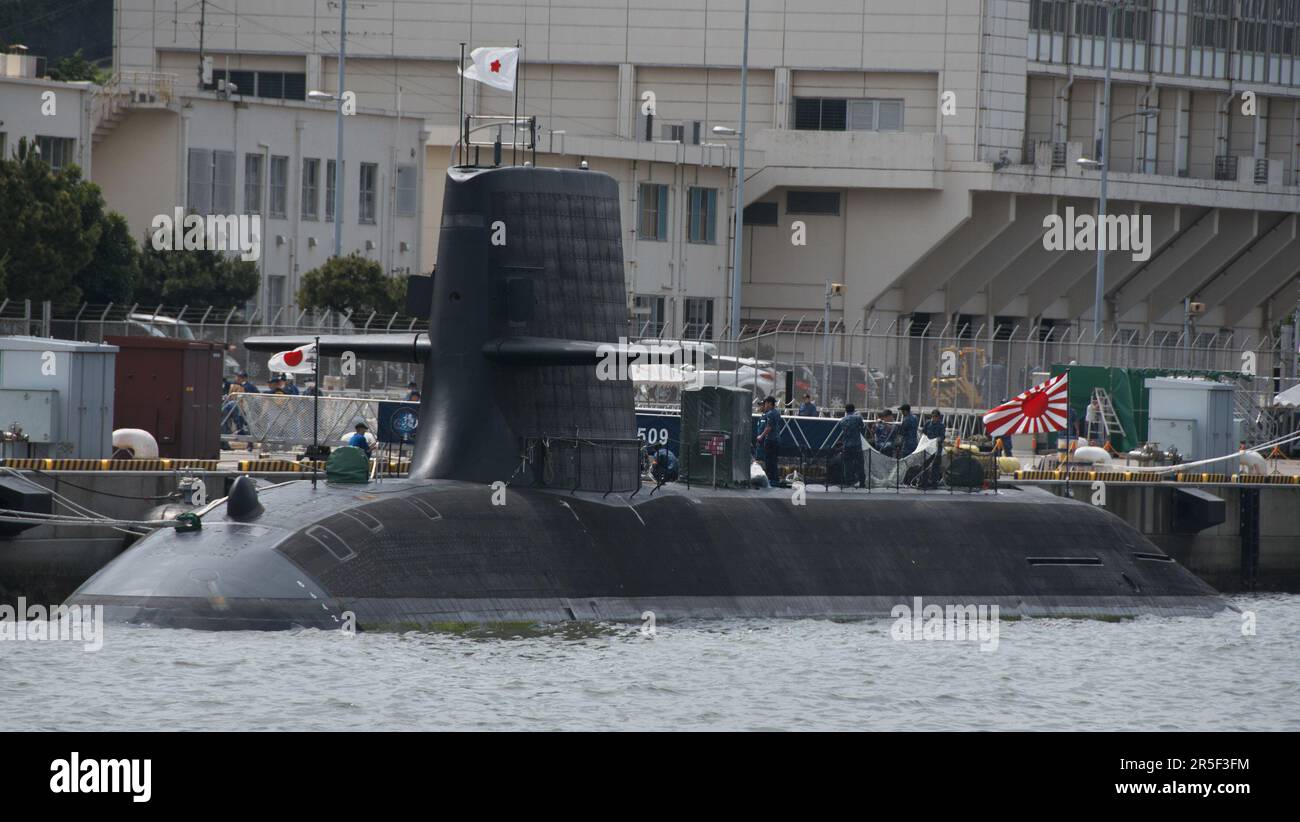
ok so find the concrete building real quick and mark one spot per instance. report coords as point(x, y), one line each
point(920, 143)
point(51, 115)
point(153, 146)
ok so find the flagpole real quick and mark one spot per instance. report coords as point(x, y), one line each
point(460, 112)
point(514, 124)
point(315, 416)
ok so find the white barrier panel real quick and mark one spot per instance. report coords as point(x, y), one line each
point(286, 419)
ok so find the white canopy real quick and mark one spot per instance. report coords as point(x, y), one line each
point(1289, 398)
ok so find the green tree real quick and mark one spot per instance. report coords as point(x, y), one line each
point(76, 68)
point(182, 277)
point(352, 282)
point(50, 225)
point(114, 273)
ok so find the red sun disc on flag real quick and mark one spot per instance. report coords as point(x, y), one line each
point(1039, 410)
point(292, 358)
point(496, 66)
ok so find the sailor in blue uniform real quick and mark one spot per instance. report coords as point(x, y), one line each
point(884, 433)
point(852, 427)
point(934, 429)
point(770, 438)
point(359, 439)
point(663, 466)
point(907, 430)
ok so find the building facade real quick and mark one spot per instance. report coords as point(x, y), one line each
point(50, 115)
point(911, 150)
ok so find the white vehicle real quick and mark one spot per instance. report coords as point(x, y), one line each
point(758, 376)
point(160, 326)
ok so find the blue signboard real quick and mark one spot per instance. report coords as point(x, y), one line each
point(397, 422)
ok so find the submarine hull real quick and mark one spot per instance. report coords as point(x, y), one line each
point(431, 552)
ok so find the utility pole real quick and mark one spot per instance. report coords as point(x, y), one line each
point(737, 256)
point(203, 18)
point(338, 152)
point(1104, 159)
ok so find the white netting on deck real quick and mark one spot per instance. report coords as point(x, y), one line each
point(286, 419)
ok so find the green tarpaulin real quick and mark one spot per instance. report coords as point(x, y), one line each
point(347, 464)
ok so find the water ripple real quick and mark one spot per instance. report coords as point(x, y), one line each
point(1152, 673)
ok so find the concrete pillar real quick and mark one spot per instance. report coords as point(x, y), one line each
point(1061, 113)
point(1182, 131)
point(313, 72)
point(781, 98)
point(1149, 135)
point(1260, 150)
point(627, 104)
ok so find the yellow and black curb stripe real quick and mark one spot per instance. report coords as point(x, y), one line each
point(1132, 476)
point(108, 465)
point(305, 466)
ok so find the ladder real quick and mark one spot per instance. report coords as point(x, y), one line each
point(1111, 426)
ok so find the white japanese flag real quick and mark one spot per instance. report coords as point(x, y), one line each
point(494, 66)
point(301, 360)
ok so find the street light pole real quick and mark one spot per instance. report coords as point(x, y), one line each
point(737, 255)
point(826, 348)
point(338, 152)
point(1104, 159)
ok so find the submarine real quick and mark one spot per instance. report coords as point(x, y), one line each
point(523, 501)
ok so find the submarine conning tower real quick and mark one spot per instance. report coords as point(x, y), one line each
point(528, 293)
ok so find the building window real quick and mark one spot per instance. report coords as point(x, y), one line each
point(1252, 30)
point(253, 183)
point(699, 318)
point(2, 145)
point(310, 188)
point(57, 152)
point(832, 114)
point(1130, 23)
point(825, 203)
point(366, 200)
point(648, 315)
point(211, 182)
point(274, 294)
point(1282, 33)
point(761, 214)
point(653, 222)
point(407, 190)
point(329, 189)
point(1048, 15)
point(704, 215)
point(279, 205)
point(269, 85)
point(1211, 22)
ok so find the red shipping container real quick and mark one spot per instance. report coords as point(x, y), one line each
point(172, 389)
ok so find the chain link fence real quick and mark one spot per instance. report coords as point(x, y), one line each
point(971, 368)
point(956, 368)
point(92, 323)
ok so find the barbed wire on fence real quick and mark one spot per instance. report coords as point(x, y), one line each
point(954, 366)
